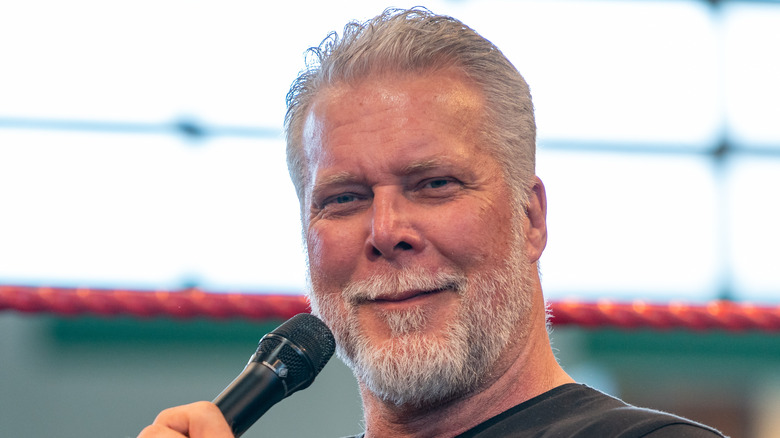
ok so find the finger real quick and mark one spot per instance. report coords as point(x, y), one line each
point(210, 422)
point(195, 420)
point(159, 431)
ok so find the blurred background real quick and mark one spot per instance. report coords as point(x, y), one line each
point(141, 147)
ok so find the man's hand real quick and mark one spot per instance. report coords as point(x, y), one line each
point(197, 420)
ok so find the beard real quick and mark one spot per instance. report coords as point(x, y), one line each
point(416, 367)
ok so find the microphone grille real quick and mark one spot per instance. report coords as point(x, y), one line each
point(312, 337)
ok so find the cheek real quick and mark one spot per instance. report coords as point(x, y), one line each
point(481, 236)
point(333, 253)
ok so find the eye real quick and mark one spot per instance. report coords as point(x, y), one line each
point(438, 188)
point(343, 199)
point(436, 183)
point(342, 202)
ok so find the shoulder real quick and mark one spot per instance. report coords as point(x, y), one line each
point(576, 410)
point(683, 430)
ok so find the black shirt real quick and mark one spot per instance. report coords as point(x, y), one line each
point(575, 410)
point(578, 411)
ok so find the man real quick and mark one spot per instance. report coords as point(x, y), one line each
point(411, 146)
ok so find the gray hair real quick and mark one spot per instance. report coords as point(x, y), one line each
point(418, 41)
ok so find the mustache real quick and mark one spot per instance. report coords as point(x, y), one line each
point(397, 282)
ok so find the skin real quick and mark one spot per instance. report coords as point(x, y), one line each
point(196, 420)
point(398, 183)
point(400, 178)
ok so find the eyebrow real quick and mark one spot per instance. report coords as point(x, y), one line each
point(344, 177)
point(335, 179)
point(423, 166)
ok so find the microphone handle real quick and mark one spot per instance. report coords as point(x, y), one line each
point(249, 396)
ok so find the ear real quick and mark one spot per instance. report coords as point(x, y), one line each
point(536, 231)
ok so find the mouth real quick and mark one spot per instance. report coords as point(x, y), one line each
point(394, 291)
point(408, 295)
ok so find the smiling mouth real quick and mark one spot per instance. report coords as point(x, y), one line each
point(393, 289)
point(405, 296)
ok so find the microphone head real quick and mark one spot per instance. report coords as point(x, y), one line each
point(303, 343)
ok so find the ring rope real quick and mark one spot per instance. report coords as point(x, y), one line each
point(194, 303)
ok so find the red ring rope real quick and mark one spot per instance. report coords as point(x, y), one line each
point(191, 303)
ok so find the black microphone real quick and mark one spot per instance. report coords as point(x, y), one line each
point(287, 360)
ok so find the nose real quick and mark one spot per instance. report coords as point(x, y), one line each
point(393, 232)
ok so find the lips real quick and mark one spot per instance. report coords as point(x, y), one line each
point(403, 296)
point(401, 287)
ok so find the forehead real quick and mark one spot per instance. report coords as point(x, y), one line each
point(392, 103)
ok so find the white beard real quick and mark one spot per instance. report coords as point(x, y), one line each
point(417, 368)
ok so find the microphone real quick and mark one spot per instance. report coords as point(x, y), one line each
point(287, 360)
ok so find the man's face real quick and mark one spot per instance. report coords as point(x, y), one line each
point(412, 238)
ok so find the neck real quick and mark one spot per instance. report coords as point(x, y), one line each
point(524, 371)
